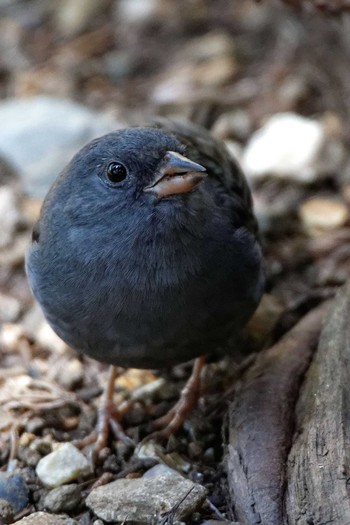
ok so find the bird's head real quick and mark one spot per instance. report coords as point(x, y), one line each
point(122, 183)
point(144, 164)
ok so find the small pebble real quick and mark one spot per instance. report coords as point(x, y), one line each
point(29, 456)
point(14, 491)
point(209, 455)
point(41, 445)
point(321, 215)
point(25, 439)
point(63, 465)
point(148, 449)
point(62, 499)
point(35, 425)
point(112, 464)
point(197, 477)
point(29, 476)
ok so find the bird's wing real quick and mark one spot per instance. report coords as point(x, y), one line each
point(214, 156)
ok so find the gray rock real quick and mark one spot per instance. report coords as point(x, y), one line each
point(62, 499)
point(29, 456)
point(44, 518)
point(39, 135)
point(63, 465)
point(13, 490)
point(144, 500)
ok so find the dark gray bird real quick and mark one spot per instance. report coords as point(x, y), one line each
point(146, 251)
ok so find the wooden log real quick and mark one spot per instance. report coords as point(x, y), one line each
point(261, 422)
point(318, 469)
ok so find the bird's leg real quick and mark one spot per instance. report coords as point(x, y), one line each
point(105, 410)
point(107, 417)
point(190, 394)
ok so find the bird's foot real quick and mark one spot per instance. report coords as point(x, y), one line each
point(171, 422)
point(108, 419)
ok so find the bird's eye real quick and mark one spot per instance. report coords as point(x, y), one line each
point(116, 172)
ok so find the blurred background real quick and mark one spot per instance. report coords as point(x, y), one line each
point(272, 80)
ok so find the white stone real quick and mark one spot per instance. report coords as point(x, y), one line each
point(287, 146)
point(63, 465)
point(39, 136)
point(9, 215)
point(137, 11)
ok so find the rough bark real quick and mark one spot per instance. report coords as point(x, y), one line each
point(261, 425)
point(318, 469)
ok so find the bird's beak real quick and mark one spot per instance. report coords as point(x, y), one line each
point(176, 175)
